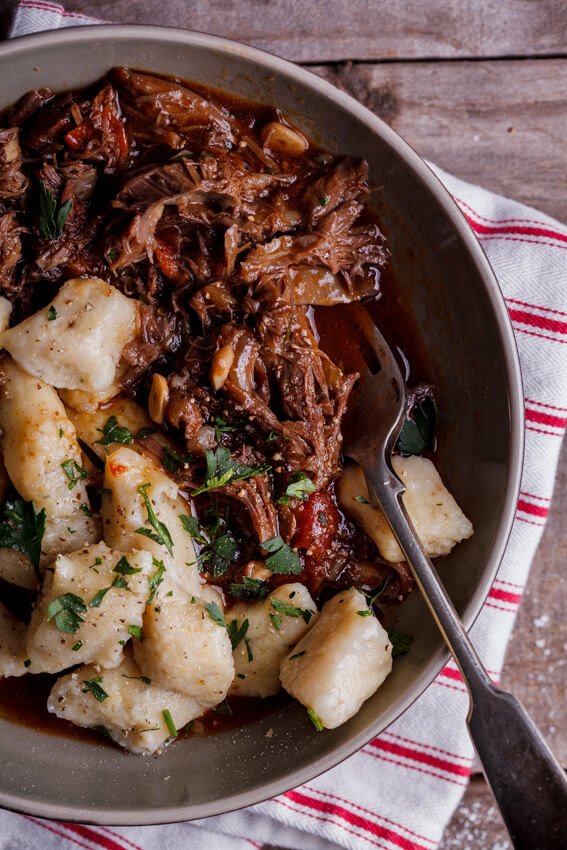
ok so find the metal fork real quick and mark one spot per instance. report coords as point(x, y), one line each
point(526, 780)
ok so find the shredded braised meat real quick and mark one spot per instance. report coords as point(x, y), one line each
point(172, 196)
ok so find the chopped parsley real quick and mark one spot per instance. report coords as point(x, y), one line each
point(191, 526)
point(315, 720)
point(217, 556)
point(135, 631)
point(418, 434)
point(51, 314)
point(222, 428)
point(400, 642)
point(77, 646)
point(84, 508)
point(143, 679)
point(98, 597)
point(215, 613)
point(361, 499)
point(67, 610)
point(125, 568)
point(221, 469)
point(282, 559)
point(161, 534)
point(23, 530)
point(74, 472)
point(112, 432)
point(365, 613)
point(373, 595)
point(236, 634)
point(60, 432)
point(173, 461)
point(144, 432)
point(156, 579)
point(51, 220)
point(169, 723)
point(27, 662)
point(290, 610)
point(297, 655)
point(298, 488)
point(219, 544)
point(323, 201)
point(248, 649)
point(277, 621)
point(251, 588)
point(224, 708)
point(93, 686)
point(102, 729)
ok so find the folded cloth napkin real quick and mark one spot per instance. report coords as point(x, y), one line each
point(401, 789)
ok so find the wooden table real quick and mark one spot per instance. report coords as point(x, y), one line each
point(481, 90)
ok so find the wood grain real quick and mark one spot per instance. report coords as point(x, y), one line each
point(334, 30)
point(498, 123)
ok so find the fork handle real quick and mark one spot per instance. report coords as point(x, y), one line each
point(527, 781)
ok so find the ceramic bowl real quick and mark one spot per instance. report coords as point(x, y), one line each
point(453, 295)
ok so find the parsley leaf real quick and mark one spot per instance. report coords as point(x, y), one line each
point(135, 631)
point(155, 580)
point(95, 689)
point(221, 469)
point(74, 472)
point(400, 642)
point(50, 223)
point(125, 568)
point(222, 428)
point(417, 437)
point(162, 534)
point(236, 634)
point(283, 560)
point(277, 621)
point(23, 530)
point(67, 610)
point(112, 432)
point(361, 499)
point(144, 679)
point(191, 526)
point(144, 432)
point(172, 461)
point(376, 592)
point(291, 610)
point(216, 557)
point(51, 314)
point(215, 613)
point(298, 488)
point(98, 597)
point(251, 588)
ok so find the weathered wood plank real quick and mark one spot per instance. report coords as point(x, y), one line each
point(501, 123)
point(332, 30)
point(536, 661)
point(477, 823)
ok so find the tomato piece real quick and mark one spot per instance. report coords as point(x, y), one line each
point(317, 523)
point(115, 127)
point(77, 138)
point(167, 258)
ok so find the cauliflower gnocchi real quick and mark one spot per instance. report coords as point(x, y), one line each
point(178, 531)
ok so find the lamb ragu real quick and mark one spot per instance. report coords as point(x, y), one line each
point(216, 249)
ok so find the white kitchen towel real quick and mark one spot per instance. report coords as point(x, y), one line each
point(399, 791)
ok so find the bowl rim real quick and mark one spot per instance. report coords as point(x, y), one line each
point(24, 46)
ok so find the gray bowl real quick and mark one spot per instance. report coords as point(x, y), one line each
point(455, 299)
